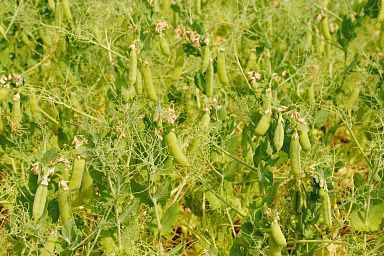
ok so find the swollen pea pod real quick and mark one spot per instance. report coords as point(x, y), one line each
point(251, 63)
point(40, 199)
point(277, 234)
point(50, 244)
point(179, 64)
point(209, 80)
point(133, 65)
point(264, 123)
point(1, 122)
point(294, 154)
point(206, 56)
point(198, 7)
point(274, 249)
point(324, 26)
point(34, 108)
point(326, 207)
point(67, 10)
point(148, 82)
point(308, 36)
point(268, 99)
point(380, 16)
point(175, 149)
point(65, 208)
point(59, 14)
point(51, 5)
point(16, 112)
point(164, 46)
point(4, 92)
point(86, 190)
point(278, 136)
point(305, 143)
point(139, 84)
point(77, 174)
point(221, 67)
point(311, 94)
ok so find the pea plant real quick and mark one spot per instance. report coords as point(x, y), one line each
point(191, 127)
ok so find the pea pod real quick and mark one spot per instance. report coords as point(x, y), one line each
point(40, 200)
point(210, 80)
point(51, 5)
point(264, 123)
point(277, 234)
point(294, 154)
point(86, 190)
point(308, 36)
point(305, 143)
point(133, 65)
point(1, 122)
point(176, 150)
point(278, 136)
point(148, 82)
point(268, 99)
point(198, 7)
point(65, 208)
point(324, 26)
point(206, 56)
point(274, 249)
point(178, 64)
point(221, 68)
point(380, 16)
point(16, 112)
point(326, 207)
point(251, 63)
point(4, 92)
point(139, 84)
point(164, 46)
point(67, 10)
point(77, 174)
point(50, 244)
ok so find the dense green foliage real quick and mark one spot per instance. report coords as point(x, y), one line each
point(191, 127)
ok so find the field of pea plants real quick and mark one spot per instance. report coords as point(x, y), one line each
point(192, 127)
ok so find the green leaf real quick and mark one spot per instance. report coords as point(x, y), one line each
point(163, 192)
point(169, 219)
point(375, 216)
point(49, 156)
point(141, 192)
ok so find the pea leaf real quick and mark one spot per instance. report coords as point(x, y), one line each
point(169, 219)
point(163, 193)
point(141, 192)
point(375, 216)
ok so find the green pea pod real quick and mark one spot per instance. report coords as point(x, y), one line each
point(179, 64)
point(308, 37)
point(264, 123)
point(50, 244)
point(326, 207)
point(65, 208)
point(51, 5)
point(210, 80)
point(274, 249)
point(86, 190)
point(294, 154)
point(40, 200)
point(59, 14)
point(16, 112)
point(305, 143)
point(278, 235)
point(139, 84)
point(1, 122)
point(221, 68)
point(380, 16)
point(133, 65)
point(148, 82)
point(198, 7)
point(164, 46)
point(268, 99)
point(278, 136)
point(4, 92)
point(324, 26)
point(77, 174)
point(251, 63)
point(176, 150)
point(67, 10)
point(206, 56)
